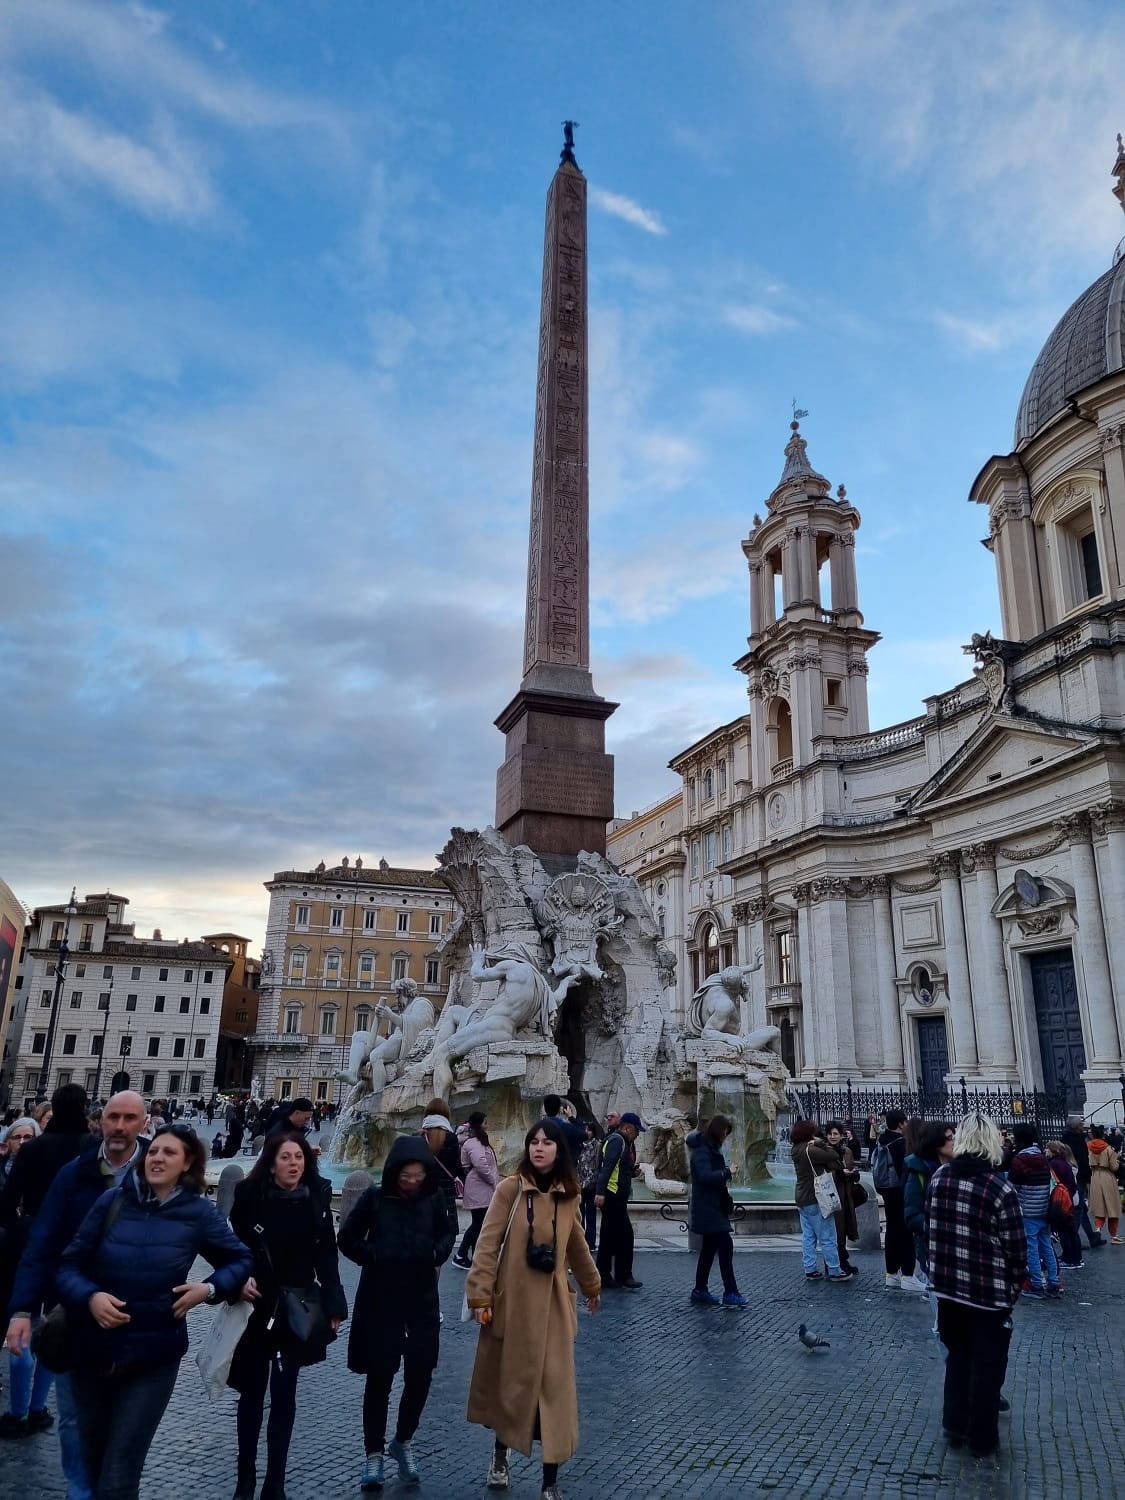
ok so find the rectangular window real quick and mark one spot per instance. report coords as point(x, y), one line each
point(196, 1083)
point(404, 921)
point(241, 1016)
point(91, 1081)
point(126, 1046)
point(80, 971)
point(45, 998)
point(103, 1000)
point(322, 1088)
point(148, 1083)
point(328, 1023)
point(398, 968)
point(96, 1046)
point(39, 1042)
point(370, 918)
point(189, 975)
point(722, 776)
point(435, 924)
point(834, 692)
point(136, 972)
point(726, 844)
point(65, 1076)
point(709, 851)
point(285, 1085)
point(205, 1006)
point(107, 971)
point(154, 1046)
point(366, 971)
point(158, 1004)
point(695, 856)
point(1091, 566)
point(185, 1004)
point(303, 914)
point(297, 966)
point(332, 971)
point(56, 934)
point(691, 794)
point(163, 975)
point(175, 1081)
point(87, 939)
point(208, 976)
point(433, 971)
point(337, 918)
point(130, 1002)
point(69, 1043)
point(32, 1082)
point(200, 1047)
point(76, 999)
point(179, 1047)
point(784, 953)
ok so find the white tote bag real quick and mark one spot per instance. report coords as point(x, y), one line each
point(228, 1324)
point(828, 1199)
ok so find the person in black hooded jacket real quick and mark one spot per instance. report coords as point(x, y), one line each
point(283, 1213)
point(399, 1233)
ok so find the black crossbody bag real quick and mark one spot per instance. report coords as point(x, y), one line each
point(52, 1338)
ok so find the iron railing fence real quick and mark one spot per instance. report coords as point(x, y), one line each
point(1007, 1106)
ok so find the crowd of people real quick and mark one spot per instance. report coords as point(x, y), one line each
point(102, 1229)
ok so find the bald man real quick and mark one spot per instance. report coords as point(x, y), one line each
point(101, 1165)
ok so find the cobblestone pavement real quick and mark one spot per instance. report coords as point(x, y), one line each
point(680, 1401)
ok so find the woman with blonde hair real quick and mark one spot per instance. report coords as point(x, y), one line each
point(978, 1261)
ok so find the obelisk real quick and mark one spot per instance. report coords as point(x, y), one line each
point(554, 791)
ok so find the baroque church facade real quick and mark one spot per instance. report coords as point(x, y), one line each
point(943, 899)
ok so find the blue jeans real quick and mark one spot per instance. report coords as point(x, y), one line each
point(818, 1233)
point(118, 1415)
point(70, 1445)
point(1042, 1264)
point(31, 1384)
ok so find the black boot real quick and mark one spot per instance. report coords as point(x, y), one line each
point(246, 1483)
point(273, 1489)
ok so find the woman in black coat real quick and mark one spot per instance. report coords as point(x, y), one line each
point(711, 1207)
point(283, 1212)
point(399, 1233)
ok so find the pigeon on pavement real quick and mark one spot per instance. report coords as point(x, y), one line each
point(812, 1340)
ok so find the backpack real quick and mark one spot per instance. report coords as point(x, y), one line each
point(884, 1173)
point(588, 1161)
point(1060, 1205)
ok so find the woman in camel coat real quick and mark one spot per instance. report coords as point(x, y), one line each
point(1105, 1195)
point(529, 1316)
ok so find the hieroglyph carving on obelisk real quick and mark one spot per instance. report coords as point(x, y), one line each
point(558, 622)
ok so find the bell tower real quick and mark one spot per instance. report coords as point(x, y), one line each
point(806, 663)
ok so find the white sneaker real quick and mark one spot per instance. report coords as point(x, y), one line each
point(894, 1280)
point(911, 1284)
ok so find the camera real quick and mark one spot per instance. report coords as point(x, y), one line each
point(541, 1257)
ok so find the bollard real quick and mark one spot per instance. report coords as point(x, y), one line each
point(867, 1221)
point(355, 1185)
point(229, 1178)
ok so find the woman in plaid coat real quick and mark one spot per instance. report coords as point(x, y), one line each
point(978, 1262)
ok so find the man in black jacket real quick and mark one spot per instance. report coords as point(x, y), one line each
point(898, 1243)
point(611, 1195)
point(99, 1166)
point(1075, 1137)
point(575, 1134)
point(41, 1160)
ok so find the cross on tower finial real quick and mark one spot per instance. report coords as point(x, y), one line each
point(567, 152)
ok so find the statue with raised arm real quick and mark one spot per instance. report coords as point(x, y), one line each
point(383, 1057)
point(718, 1009)
point(523, 1001)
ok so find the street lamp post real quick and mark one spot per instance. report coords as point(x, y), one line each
point(60, 975)
point(101, 1049)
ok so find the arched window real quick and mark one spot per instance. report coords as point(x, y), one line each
point(708, 785)
point(710, 951)
point(779, 722)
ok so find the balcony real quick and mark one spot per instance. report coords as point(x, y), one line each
point(782, 768)
point(783, 997)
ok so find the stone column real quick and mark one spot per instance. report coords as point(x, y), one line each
point(995, 999)
point(947, 867)
point(810, 583)
point(1109, 819)
point(890, 1021)
point(757, 614)
point(806, 974)
point(835, 574)
point(790, 571)
point(835, 1021)
point(1105, 1045)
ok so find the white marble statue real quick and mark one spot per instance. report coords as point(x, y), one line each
point(383, 1058)
point(719, 1007)
point(523, 1001)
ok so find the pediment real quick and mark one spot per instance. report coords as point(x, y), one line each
point(1002, 749)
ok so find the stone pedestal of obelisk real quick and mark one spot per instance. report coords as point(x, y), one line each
point(554, 791)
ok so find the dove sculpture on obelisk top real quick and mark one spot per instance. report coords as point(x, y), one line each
point(554, 791)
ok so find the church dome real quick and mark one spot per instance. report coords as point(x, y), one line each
point(1086, 345)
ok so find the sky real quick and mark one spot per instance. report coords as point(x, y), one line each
point(269, 297)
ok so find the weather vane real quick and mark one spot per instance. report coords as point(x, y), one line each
point(798, 412)
point(567, 152)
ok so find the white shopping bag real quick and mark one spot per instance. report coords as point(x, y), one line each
point(228, 1324)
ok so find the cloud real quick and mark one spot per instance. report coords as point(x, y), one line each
point(628, 209)
point(756, 320)
point(978, 106)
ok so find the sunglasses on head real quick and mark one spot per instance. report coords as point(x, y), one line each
point(184, 1132)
